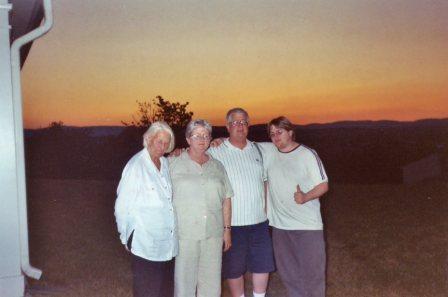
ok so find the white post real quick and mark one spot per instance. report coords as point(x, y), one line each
point(11, 278)
point(19, 142)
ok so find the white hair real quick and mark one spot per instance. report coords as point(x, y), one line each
point(154, 129)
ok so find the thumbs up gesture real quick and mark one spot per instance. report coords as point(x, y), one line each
point(299, 196)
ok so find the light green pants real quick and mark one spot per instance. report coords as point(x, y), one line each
point(198, 268)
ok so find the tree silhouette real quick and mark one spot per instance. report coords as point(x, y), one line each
point(56, 125)
point(160, 109)
point(145, 114)
point(175, 114)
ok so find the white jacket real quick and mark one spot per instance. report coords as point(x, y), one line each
point(144, 206)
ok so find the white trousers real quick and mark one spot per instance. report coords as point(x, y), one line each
point(198, 268)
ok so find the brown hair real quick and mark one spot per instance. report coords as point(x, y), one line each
point(283, 123)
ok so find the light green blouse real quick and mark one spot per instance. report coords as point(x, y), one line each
point(198, 196)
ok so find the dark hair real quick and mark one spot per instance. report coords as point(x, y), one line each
point(282, 123)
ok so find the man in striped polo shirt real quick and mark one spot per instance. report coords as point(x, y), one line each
point(251, 243)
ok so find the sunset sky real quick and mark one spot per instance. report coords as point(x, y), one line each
point(313, 61)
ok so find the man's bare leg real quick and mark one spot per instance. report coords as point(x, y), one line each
point(236, 286)
point(260, 282)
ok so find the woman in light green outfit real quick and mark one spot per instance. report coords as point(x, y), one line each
point(201, 195)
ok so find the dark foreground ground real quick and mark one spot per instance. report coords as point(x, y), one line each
point(382, 240)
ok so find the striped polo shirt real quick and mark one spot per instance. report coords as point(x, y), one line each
point(245, 171)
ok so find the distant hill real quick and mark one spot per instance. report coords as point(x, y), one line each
point(370, 124)
point(92, 131)
point(379, 124)
point(352, 151)
point(101, 131)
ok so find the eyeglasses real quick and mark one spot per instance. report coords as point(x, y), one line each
point(198, 137)
point(239, 123)
point(276, 133)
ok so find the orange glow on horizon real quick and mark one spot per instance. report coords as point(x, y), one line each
point(313, 62)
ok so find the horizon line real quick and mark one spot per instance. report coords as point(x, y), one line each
point(258, 124)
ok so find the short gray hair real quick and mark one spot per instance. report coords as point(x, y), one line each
point(236, 110)
point(156, 127)
point(197, 123)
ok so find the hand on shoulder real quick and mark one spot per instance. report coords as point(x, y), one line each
point(217, 142)
point(176, 152)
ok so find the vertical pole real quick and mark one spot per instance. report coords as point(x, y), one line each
point(11, 278)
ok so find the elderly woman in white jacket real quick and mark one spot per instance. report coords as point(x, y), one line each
point(145, 216)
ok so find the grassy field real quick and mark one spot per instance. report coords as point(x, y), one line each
point(383, 240)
